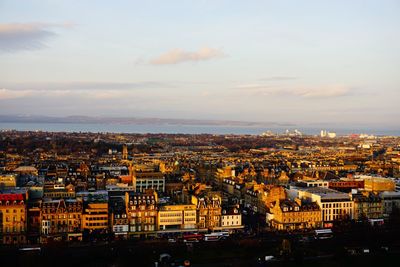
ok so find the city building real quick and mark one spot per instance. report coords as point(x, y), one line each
point(34, 219)
point(177, 218)
point(294, 215)
point(312, 183)
point(391, 202)
point(208, 211)
point(57, 191)
point(335, 205)
point(95, 218)
point(8, 180)
point(142, 213)
point(377, 184)
point(346, 185)
point(144, 178)
point(13, 218)
point(368, 206)
point(61, 220)
point(118, 216)
point(231, 219)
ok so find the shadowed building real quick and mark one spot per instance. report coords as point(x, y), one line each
point(61, 220)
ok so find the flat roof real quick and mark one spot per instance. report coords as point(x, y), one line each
point(326, 193)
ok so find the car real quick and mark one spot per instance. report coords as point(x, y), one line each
point(171, 240)
point(30, 249)
point(191, 240)
point(269, 258)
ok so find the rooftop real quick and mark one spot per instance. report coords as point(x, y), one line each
point(326, 193)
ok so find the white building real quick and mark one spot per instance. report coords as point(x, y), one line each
point(331, 134)
point(335, 205)
point(313, 183)
point(177, 217)
point(231, 218)
point(325, 133)
point(148, 180)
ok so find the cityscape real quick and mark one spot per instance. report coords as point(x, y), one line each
point(302, 196)
point(199, 133)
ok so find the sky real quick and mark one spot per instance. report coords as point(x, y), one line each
point(303, 62)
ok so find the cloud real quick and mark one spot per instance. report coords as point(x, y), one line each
point(13, 94)
point(7, 94)
point(299, 91)
point(26, 36)
point(98, 90)
point(179, 56)
point(327, 91)
point(77, 85)
point(280, 78)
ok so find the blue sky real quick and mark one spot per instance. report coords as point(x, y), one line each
point(332, 62)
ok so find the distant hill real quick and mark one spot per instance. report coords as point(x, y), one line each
point(132, 120)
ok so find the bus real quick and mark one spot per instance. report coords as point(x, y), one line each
point(323, 234)
point(216, 236)
point(224, 233)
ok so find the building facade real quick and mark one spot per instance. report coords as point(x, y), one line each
point(294, 215)
point(231, 219)
point(177, 217)
point(335, 205)
point(95, 218)
point(368, 205)
point(12, 218)
point(209, 211)
point(142, 213)
point(61, 220)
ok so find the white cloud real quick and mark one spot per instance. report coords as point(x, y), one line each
point(86, 85)
point(280, 78)
point(92, 90)
point(26, 36)
point(179, 56)
point(6, 94)
point(300, 91)
point(12, 94)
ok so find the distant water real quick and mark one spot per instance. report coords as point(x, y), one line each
point(176, 128)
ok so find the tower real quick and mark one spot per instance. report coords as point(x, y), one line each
point(124, 152)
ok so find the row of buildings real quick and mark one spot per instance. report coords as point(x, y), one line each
point(310, 204)
point(118, 213)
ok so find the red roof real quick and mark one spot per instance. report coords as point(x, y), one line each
point(11, 197)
